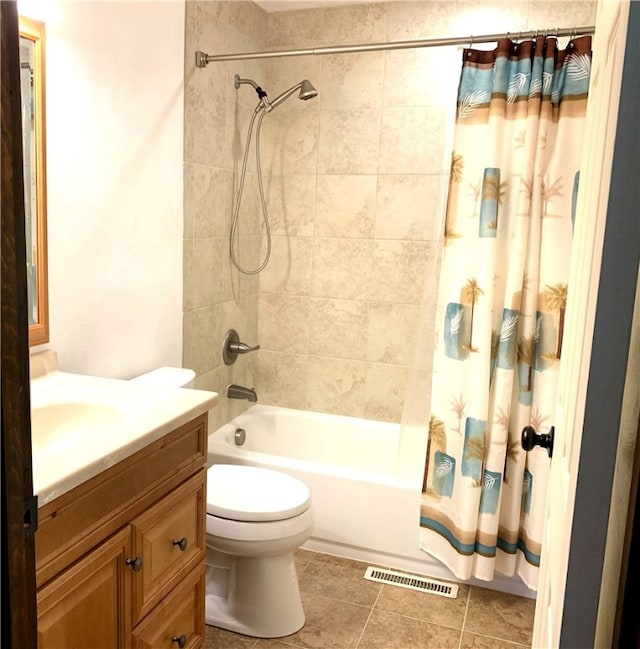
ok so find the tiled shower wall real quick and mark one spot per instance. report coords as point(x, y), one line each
point(354, 192)
point(217, 298)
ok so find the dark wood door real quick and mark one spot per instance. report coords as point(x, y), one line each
point(19, 511)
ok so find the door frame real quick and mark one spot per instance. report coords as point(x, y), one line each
point(607, 370)
point(18, 553)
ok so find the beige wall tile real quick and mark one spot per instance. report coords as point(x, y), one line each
point(350, 24)
point(491, 17)
point(391, 332)
point(290, 138)
point(289, 269)
point(336, 385)
point(413, 20)
point(207, 201)
point(545, 14)
point(411, 141)
point(397, 271)
point(422, 77)
point(201, 330)
point(297, 29)
point(206, 271)
point(345, 206)
point(187, 275)
point(349, 141)
point(405, 206)
point(283, 324)
point(281, 379)
point(241, 315)
point(385, 387)
point(338, 328)
point(341, 268)
point(290, 203)
point(250, 218)
point(205, 125)
point(353, 81)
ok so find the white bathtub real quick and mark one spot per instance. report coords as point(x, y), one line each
point(366, 496)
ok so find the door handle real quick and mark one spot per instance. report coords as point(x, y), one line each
point(530, 438)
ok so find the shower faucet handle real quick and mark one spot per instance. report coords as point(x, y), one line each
point(232, 346)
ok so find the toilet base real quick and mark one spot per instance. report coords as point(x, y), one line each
point(255, 596)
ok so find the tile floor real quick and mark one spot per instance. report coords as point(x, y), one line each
point(345, 611)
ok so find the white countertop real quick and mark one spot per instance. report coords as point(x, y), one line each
point(82, 425)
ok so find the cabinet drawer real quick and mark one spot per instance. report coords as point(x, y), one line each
point(180, 615)
point(170, 539)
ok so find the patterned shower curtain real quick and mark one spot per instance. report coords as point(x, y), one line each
point(501, 303)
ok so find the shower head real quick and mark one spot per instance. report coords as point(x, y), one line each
point(307, 91)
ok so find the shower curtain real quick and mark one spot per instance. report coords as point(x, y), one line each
point(501, 303)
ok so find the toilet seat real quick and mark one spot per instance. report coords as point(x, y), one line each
point(254, 494)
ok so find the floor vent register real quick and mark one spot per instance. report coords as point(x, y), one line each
point(412, 582)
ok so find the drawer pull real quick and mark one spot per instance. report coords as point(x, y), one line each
point(181, 543)
point(136, 564)
point(180, 640)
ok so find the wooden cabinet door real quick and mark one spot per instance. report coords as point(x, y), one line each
point(88, 605)
point(170, 538)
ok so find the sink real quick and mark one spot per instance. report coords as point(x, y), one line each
point(58, 426)
point(81, 425)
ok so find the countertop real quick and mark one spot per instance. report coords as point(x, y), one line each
point(82, 425)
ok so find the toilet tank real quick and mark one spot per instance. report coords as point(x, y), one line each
point(168, 377)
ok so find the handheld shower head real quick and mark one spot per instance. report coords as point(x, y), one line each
point(306, 88)
point(307, 91)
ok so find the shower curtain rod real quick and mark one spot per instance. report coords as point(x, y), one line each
point(202, 58)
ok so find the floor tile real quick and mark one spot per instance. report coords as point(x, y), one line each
point(425, 606)
point(345, 611)
point(330, 624)
point(390, 631)
point(500, 615)
point(473, 641)
point(302, 559)
point(215, 638)
point(339, 578)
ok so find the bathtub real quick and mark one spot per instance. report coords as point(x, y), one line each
point(366, 497)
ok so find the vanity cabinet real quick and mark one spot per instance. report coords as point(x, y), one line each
point(120, 558)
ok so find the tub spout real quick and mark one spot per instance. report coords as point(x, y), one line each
point(240, 392)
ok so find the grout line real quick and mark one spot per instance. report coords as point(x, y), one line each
point(464, 618)
point(364, 628)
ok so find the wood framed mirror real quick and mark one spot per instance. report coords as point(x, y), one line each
point(32, 90)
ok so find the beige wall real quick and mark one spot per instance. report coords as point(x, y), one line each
point(354, 184)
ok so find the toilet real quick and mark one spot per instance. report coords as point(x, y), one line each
point(256, 519)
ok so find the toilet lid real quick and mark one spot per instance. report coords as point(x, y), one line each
point(249, 493)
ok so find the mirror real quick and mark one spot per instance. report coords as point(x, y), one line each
point(32, 85)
